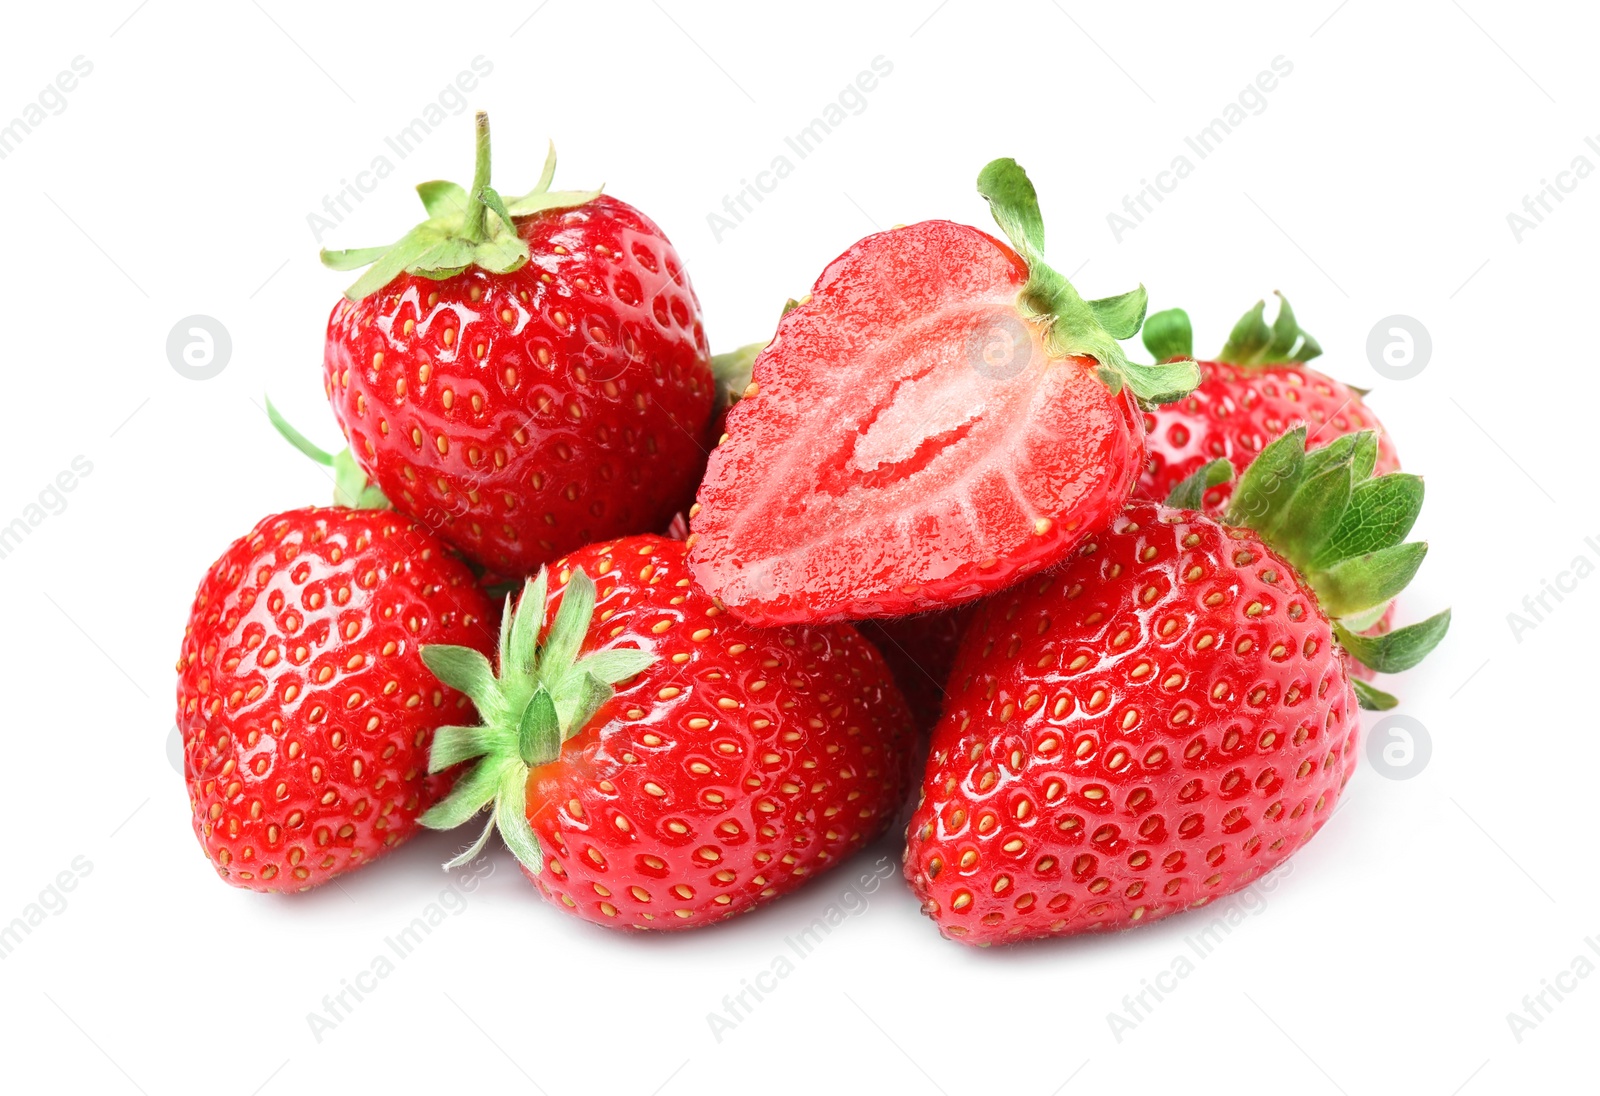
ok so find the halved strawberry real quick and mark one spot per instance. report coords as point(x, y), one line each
point(943, 415)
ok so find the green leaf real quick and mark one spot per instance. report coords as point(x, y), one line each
point(1269, 481)
point(470, 853)
point(453, 745)
point(548, 174)
point(526, 623)
point(1316, 507)
point(1366, 454)
point(1122, 315)
point(615, 664)
point(1163, 383)
point(1285, 333)
point(442, 199)
point(1398, 650)
point(390, 265)
point(1167, 335)
point(1371, 698)
point(1381, 513)
point(529, 204)
point(588, 694)
point(1190, 492)
point(1366, 619)
point(539, 731)
point(1254, 343)
point(1360, 582)
point(731, 372)
point(1015, 206)
point(511, 812)
point(351, 487)
point(467, 671)
point(560, 649)
point(491, 198)
point(504, 650)
point(352, 259)
point(297, 439)
point(1250, 336)
point(1318, 459)
point(470, 795)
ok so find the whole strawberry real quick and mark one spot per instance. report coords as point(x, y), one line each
point(305, 709)
point(942, 416)
point(523, 376)
point(655, 764)
point(1256, 388)
point(919, 651)
point(1171, 714)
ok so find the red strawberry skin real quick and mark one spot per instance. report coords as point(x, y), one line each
point(522, 415)
point(907, 444)
point(1236, 410)
point(920, 651)
point(305, 709)
point(1138, 733)
point(741, 764)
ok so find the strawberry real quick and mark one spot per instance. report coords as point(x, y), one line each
point(1171, 714)
point(920, 651)
point(305, 709)
point(523, 377)
point(654, 763)
point(941, 417)
point(1258, 387)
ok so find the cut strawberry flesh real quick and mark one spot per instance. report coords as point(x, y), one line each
point(910, 444)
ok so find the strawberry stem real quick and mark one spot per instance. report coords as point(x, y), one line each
point(477, 225)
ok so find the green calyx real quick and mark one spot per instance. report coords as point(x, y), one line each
point(542, 695)
point(1252, 342)
point(465, 227)
point(1344, 530)
point(351, 487)
point(1073, 325)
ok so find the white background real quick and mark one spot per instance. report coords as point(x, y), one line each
point(1377, 180)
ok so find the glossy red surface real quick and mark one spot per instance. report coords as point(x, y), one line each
point(740, 765)
point(1149, 728)
point(920, 651)
point(522, 415)
point(909, 445)
point(1236, 411)
point(305, 709)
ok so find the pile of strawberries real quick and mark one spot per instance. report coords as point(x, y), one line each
point(1119, 616)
